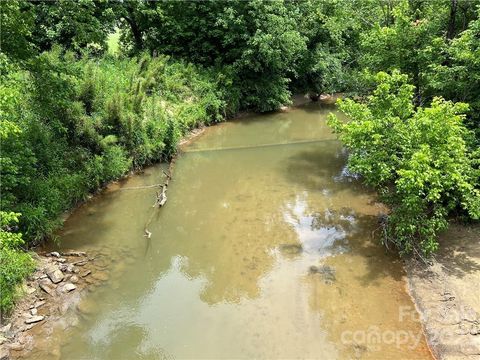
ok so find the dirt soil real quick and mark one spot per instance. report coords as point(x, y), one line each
point(447, 294)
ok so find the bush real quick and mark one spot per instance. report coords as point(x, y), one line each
point(418, 159)
point(15, 264)
point(85, 122)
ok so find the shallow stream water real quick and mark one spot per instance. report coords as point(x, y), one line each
point(266, 248)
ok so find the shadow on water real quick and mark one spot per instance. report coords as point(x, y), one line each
point(380, 262)
point(318, 108)
point(94, 213)
point(322, 166)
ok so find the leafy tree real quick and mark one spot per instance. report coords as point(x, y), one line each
point(16, 21)
point(418, 160)
point(16, 158)
point(332, 30)
point(75, 25)
point(258, 42)
point(134, 18)
point(412, 42)
point(455, 72)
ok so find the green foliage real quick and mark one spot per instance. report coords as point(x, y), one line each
point(85, 122)
point(9, 239)
point(418, 160)
point(258, 41)
point(75, 25)
point(456, 72)
point(332, 30)
point(420, 42)
point(15, 264)
point(17, 24)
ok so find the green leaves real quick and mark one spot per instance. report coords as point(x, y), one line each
point(257, 42)
point(69, 125)
point(15, 265)
point(418, 160)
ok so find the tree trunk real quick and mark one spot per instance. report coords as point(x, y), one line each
point(451, 22)
point(134, 28)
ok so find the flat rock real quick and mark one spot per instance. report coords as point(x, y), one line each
point(86, 273)
point(69, 287)
point(67, 268)
point(29, 326)
point(54, 274)
point(39, 303)
point(4, 353)
point(34, 319)
point(47, 289)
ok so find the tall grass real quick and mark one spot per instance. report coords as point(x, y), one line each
point(76, 124)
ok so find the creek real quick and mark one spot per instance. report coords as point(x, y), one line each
point(266, 248)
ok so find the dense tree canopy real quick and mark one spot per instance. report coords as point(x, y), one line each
point(76, 114)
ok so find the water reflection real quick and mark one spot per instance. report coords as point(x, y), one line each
point(320, 234)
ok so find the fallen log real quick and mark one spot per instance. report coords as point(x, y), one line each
point(160, 200)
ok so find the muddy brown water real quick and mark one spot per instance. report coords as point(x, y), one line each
point(267, 248)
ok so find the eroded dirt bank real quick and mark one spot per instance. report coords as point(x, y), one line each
point(447, 294)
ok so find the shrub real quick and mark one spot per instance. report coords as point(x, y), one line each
point(15, 264)
point(418, 160)
point(85, 122)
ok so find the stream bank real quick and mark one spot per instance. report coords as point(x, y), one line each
point(447, 294)
point(55, 297)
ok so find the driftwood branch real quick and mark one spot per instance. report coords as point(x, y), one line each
point(160, 199)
